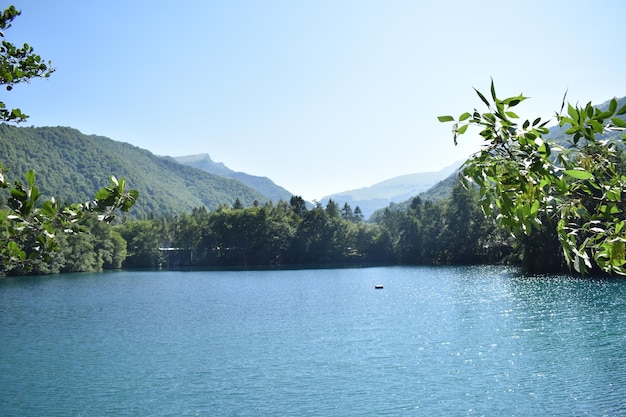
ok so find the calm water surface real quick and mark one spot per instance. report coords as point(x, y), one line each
point(433, 342)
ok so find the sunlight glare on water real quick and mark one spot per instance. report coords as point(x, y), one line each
point(435, 341)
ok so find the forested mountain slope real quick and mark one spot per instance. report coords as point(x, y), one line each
point(263, 185)
point(72, 166)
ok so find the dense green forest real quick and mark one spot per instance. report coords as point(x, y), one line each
point(71, 165)
point(524, 197)
point(29, 224)
point(443, 226)
point(443, 232)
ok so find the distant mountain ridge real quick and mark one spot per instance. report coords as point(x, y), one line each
point(72, 167)
point(263, 185)
point(393, 190)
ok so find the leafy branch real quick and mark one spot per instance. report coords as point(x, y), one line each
point(30, 225)
point(33, 224)
point(17, 65)
point(526, 179)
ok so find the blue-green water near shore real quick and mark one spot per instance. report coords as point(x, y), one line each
point(434, 342)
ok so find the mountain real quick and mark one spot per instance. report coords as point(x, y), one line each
point(72, 166)
point(394, 190)
point(263, 185)
point(556, 134)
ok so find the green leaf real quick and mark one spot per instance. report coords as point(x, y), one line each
point(600, 116)
point(613, 106)
point(578, 174)
point(444, 119)
point(493, 91)
point(563, 120)
point(30, 177)
point(18, 193)
point(130, 200)
point(617, 253)
point(573, 113)
point(543, 148)
point(597, 126)
point(48, 208)
point(482, 98)
point(464, 116)
point(514, 101)
point(34, 194)
point(103, 194)
point(618, 122)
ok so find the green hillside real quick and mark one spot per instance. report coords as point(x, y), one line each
point(72, 166)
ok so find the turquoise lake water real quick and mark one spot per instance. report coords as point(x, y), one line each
point(434, 342)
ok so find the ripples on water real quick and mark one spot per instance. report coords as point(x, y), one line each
point(433, 342)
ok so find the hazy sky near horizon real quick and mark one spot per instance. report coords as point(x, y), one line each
point(320, 96)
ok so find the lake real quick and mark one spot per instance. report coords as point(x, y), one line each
point(318, 342)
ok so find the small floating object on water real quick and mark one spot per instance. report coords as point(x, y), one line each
point(378, 286)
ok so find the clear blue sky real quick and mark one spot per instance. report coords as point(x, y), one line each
point(320, 96)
